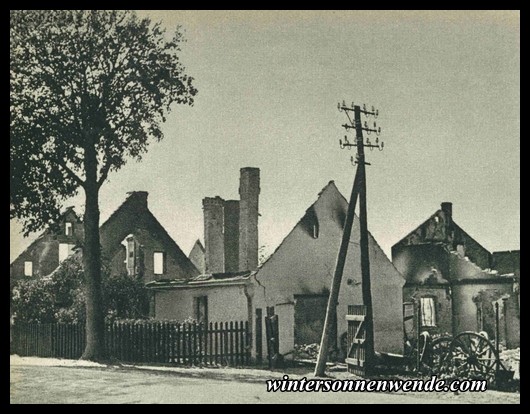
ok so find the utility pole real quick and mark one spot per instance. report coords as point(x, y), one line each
point(358, 191)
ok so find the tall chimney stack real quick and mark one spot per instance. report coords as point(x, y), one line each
point(447, 209)
point(231, 236)
point(214, 245)
point(248, 218)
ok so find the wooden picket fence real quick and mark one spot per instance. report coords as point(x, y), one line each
point(219, 343)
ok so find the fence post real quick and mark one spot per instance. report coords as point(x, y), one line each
point(123, 341)
point(231, 333)
point(159, 341)
point(162, 342)
point(189, 342)
point(195, 334)
point(238, 352)
point(216, 343)
point(199, 340)
point(185, 343)
point(171, 344)
point(224, 343)
point(418, 333)
point(59, 341)
point(210, 344)
point(177, 342)
point(151, 339)
point(167, 335)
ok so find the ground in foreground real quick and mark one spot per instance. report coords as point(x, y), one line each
point(35, 380)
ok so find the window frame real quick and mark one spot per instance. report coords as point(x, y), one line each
point(69, 228)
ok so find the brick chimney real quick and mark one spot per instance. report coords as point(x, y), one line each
point(138, 199)
point(213, 234)
point(231, 235)
point(248, 218)
point(447, 209)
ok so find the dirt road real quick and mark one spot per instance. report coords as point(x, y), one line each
point(34, 382)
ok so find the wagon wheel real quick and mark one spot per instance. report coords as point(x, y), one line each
point(472, 355)
point(439, 351)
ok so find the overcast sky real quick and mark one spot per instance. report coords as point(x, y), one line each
point(446, 85)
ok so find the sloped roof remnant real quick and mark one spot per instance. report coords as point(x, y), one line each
point(206, 279)
point(183, 260)
point(47, 231)
point(199, 245)
point(310, 211)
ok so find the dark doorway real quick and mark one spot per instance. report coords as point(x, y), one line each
point(309, 316)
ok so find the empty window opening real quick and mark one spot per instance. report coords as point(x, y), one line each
point(28, 268)
point(428, 316)
point(65, 250)
point(158, 263)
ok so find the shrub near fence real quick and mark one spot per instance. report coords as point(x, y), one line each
point(222, 343)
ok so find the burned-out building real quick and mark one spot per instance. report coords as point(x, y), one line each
point(296, 279)
point(456, 281)
point(53, 246)
point(132, 240)
point(222, 291)
point(293, 283)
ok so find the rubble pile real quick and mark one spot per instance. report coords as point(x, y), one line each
point(306, 351)
point(310, 352)
point(510, 359)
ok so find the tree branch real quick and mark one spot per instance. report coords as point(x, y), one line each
point(104, 172)
point(69, 172)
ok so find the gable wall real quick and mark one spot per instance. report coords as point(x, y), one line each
point(304, 265)
point(44, 252)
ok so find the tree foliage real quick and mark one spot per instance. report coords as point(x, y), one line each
point(61, 297)
point(89, 90)
point(84, 81)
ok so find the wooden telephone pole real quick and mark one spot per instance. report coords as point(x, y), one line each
point(358, 191)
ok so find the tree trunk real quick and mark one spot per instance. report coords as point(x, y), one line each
point(95, 318)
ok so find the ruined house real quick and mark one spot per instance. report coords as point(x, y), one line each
point(132, 241)
point(296, 279)
point(43, 256)
point(293, 283)
point(223, 291)
point(456, 281)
